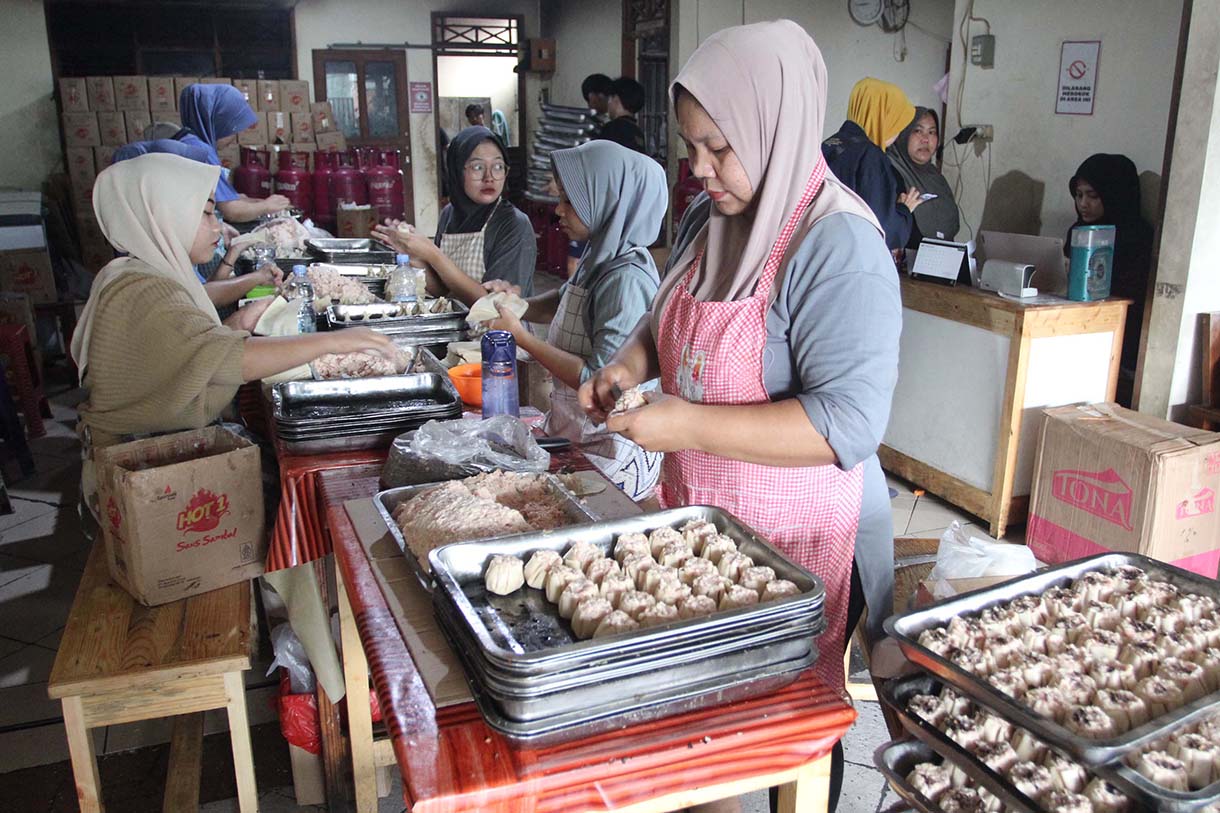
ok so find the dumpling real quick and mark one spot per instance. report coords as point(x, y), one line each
point(589, 615)
point(557, 579)
point(538, 565)
point(697, 532)
point(711, 585)
point(713, 549)
point(635, 602)
point(573, 594)
point(629, 544)
point(614, 586)
point(599, 569)
point(618, 621)
point(670, 590)
point(738, 596)
point(655, 575)
point(780, 588)
point(659, 613)
point(694, 568)
point(732, 564)
point(504, 575)
point(661, 537)
point(757, 578)
point(695, 606)
point(675, 554)
point(580, 554)
point(637, 567)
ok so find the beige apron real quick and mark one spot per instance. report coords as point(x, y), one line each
point(466, 248)
point(625, 464)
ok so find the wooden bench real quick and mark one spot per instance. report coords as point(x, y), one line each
point(120, 662)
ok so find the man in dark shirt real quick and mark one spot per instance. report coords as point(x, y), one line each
point(626, 99)
point(596, 92)
point(474, 115)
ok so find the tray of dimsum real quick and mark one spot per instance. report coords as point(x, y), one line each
point(931, 784)
point(439, 314)
point(1100, 658)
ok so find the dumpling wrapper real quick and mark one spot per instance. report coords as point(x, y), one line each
point(485, 309)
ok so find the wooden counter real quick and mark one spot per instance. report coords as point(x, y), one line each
point(975, 373)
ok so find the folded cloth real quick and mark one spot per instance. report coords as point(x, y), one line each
point(282, 318)
point(485, 309)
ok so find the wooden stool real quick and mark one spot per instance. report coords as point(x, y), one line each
point(120, 662)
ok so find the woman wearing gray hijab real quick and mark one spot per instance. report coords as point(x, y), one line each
point(615, 199)
point(912, 155)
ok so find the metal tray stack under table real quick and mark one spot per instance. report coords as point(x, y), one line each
point(317, 417)
point(537, 684)
point(1104, 758)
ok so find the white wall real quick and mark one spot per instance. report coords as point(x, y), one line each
point(1017, 97)
point(320, 23)
point(588, 39)
point(29, 132)
point(482, 76)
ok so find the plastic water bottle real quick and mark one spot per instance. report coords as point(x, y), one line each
point(400, 287)
point(302, 289)
point(500, 395)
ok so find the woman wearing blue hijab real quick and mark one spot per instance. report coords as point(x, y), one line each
point(212, 116)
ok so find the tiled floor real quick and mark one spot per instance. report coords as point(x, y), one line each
point(42, 554)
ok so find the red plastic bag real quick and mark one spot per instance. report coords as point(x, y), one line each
point(299, 716)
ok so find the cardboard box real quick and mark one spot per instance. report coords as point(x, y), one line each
point(137, 121)
point(215, 80)
point(306, 148)
point(161, 94)
point(294, 96)
point(249, 89)
point(1109, 479)
point(230, 156)
point(73, 95)
point(302, 128)
point(331, 142)
point(926, 594)
point(279, 128)
point(257, 134)
point(81, 169)
point(80, 130)
point(323, 118)
point(130, 93)
point(101, 92)
point(112, 128)
point(90, 230)
point(268, 95)
point(182, 514)
point(28, 272)
point(181, 82)
point(103, 157)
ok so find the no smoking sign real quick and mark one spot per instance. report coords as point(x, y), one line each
point(1077, 88)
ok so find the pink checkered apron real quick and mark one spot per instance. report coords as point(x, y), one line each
point(712, 353)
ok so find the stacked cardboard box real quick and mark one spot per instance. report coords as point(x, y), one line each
point(25, 264)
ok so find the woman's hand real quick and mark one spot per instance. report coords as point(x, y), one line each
point(661, 426)
point(269, 274)
point(597, 395)
point(245, 318)
point(911, 198)
point(361, 340)
point(276, 203)
point(407, 242)
point(507, 321)
point(500, 286)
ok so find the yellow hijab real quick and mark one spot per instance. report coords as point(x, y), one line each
point(881, 109)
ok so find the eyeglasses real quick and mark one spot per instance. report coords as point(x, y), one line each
point(478, 169)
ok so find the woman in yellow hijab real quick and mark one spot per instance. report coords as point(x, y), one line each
point(876, 113)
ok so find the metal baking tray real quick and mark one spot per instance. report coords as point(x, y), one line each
point(523, 633)
point(343, 443)
point(385, 318)
point(387, 501)
point(897, 694)
point(306, 403)
point(351, 250)
point(896, 760)
point(905, 629)
point(636, 709)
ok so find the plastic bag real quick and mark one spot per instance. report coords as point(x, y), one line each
point(966, 555)
point(290, 654)
point(449, 450)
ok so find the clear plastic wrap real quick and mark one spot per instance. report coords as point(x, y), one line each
point(449, 450)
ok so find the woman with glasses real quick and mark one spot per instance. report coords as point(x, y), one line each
point(481, 236)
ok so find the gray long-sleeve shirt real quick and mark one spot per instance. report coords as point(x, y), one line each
point(832, 343)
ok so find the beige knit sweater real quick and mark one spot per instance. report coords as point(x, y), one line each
point(156, 363)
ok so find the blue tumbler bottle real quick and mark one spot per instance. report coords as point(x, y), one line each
point(500, 396)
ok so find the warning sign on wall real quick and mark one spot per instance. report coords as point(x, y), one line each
point(421, 97)
point(1077, 77)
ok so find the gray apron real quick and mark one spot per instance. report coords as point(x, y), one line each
point(625, 464)
point(466, 248)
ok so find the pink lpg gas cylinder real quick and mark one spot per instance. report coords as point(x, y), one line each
point(252, 177)
point(294, 182)
point(386, 186)
point(347, 184)
point(324, 166)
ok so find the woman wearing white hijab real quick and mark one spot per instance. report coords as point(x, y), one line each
point(152, 352)
point(775, 332)
point(614, 199)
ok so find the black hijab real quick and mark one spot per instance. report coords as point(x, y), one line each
point(467, 215)
point(1117, 183)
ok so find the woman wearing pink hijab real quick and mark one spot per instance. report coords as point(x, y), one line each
point(775, 330)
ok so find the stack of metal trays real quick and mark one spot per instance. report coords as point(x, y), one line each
point(537, 684)
point(560, 128)
point(387, 318)
point(351, 250)
point(317, 417)
point(1111, 757)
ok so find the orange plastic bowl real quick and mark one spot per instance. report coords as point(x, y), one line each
point(468, 379)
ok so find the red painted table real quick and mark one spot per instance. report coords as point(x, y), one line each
point(451, 762)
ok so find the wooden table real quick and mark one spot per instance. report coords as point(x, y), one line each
point(975, 372)
point(452, 762)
